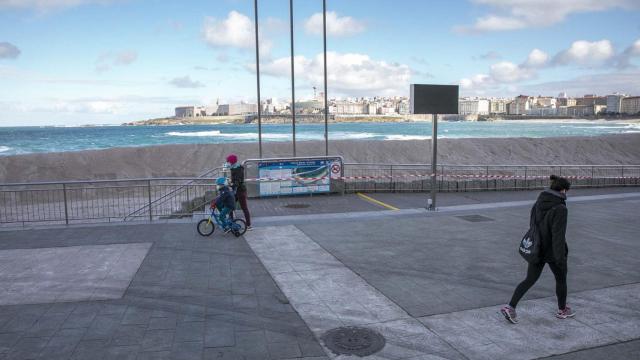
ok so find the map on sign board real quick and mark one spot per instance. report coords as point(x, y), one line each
point(295, 177)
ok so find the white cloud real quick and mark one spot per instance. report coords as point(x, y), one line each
point(48, 5)
point(8, 51)
point(346, 73)
point(477, 81)
point(583, 52)
point(624, 59)
point(519, 14)
point(603, 83)
point(110, 59)
point(537, 58)
point(508, 72)
point(185, 82)
point(497, 23)
point(336, 25)
point(236, 31)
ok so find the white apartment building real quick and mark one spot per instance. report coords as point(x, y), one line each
point(352, 108)
point(237, 109)
point(546, 101)
point(372, 108)
point(520, 105)
point(190, 111)
point(614, 103)
point(473, 107)
point(498, 106)
point(631, 105)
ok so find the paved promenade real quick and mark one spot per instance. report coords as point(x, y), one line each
point(430, 283)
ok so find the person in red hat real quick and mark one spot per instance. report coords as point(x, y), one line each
point(238, 186)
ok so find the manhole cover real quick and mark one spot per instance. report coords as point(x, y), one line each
point(297, 206)
point(474, 218)
point(353, 340)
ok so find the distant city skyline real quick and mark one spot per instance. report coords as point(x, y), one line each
point(114, 61)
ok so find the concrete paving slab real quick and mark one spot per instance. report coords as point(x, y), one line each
point(327, 295)
point(539, 333)
point(191, 297)
point(440, 264)
point(75, 273)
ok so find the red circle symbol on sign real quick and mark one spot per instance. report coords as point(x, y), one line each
point(335, 168)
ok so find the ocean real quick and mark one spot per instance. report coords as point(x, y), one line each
point(24, 140)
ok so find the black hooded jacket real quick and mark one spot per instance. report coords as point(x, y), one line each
point(550, 213)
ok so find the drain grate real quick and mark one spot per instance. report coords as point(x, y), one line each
point(297, 206)
point(353, 340)
point(475, 218)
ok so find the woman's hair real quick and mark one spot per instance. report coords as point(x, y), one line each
point(559, 183)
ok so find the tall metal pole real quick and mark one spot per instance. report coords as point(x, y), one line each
point(326, 103)
point(293, 82)
point(434, 161)
point(255, 6)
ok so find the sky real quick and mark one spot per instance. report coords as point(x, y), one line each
point(72, 62)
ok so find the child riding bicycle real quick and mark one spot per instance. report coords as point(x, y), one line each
point(225, 202)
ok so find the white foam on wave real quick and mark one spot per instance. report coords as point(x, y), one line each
point(245, 136)
point(196, 133)
point(407, 137)
point(4, 148)
point(353, 135)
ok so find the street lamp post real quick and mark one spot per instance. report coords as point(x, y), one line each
point(255, 5)
point(293, 82)
point(326, 104)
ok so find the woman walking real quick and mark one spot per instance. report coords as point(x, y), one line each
point(238, 186)
point(549, 213)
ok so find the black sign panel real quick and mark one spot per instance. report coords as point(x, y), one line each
point(434, 99)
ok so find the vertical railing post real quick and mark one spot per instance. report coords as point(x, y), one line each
point(487, 177)
point(391, 187)
point(526, 182)
point(149, 198)
point(592, 174)
point(66, 207)
point(624, 182)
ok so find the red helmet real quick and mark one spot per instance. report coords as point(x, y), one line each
point(232, 159)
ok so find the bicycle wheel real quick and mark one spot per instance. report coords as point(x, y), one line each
point(239, 227)
point(205, 227)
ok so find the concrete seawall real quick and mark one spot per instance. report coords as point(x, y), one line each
point(193, 159)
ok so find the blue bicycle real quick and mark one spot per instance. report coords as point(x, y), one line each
point(206, 226)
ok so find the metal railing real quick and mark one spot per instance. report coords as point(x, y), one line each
point(73, 202)
point(176, 193)
point(416, 177)
point(102, 200)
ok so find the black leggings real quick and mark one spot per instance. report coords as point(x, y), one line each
point(533, 273)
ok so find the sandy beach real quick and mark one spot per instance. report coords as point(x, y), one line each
point(193, 159)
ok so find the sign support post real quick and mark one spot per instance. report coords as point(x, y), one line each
point(434, 161)
point(433, 99)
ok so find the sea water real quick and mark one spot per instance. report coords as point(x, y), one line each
point(23, 140)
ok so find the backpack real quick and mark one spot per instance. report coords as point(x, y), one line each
point(531, 243)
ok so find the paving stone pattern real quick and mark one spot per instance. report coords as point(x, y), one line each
point(191, 298)
point(73, 273)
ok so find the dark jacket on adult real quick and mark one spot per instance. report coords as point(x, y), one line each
point(237, 179)
point(550, 213)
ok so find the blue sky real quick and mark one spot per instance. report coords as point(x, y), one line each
point(72, 62)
